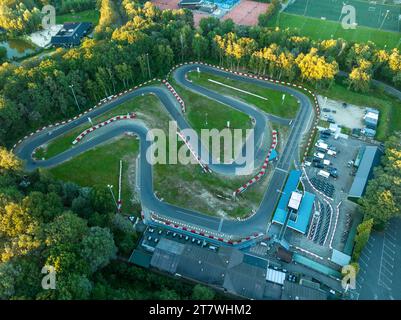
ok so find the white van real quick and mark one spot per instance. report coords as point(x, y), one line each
point(331, 153)
point(326, 162)
point(323, 174)
point(319, 155)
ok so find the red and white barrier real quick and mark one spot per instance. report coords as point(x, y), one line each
point(102, 124)
point(204, 166)
point(100, 103)
point(262, 171)
point(196, 230)
point(244, 74)
point(176, 95)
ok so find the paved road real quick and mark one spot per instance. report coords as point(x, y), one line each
point(380, 263)
point(257, 223)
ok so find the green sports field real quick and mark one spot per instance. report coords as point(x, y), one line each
point(318, 29)
point(372, 14)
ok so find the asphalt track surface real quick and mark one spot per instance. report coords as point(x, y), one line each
point(235, 229)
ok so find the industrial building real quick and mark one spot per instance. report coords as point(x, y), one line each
point(368, 158)
point(71, 34)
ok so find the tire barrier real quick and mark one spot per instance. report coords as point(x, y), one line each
point(262, 171)
point(102, 124)
point(176, 95)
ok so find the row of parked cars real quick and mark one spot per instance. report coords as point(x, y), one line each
point(319, 160)
point(177, 235)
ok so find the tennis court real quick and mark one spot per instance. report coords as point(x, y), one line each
point(368, 13)
point(246, 13)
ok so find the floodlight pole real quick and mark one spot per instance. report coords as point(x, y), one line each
point(147, 59)
point(112, 194)
point(75, 97)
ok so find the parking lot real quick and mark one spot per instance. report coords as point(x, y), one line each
point(335, 188)
point(346, 150)
point(378, 277)
point(350, 116)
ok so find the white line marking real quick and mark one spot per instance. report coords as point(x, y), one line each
point(234, 88)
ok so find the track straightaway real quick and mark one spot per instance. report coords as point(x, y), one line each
point(232, 228)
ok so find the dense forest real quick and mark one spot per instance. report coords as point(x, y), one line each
point(47, 221)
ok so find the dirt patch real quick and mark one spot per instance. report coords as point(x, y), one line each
point(350, 117)
point(247, 12)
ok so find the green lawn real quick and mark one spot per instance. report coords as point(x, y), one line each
point(274, 105)
point(83, 16)
point(146, 104)
point(217, 114)
point(100, 166)
point(204, 113)
point(390, 107)
point(318, 29)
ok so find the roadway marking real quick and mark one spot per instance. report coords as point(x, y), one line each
point(365, 256)
point(220, 225)
point(388, 248)
point(279, 169)
point(234, 88)
point(391, 236)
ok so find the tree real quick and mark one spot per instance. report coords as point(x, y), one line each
point(199, 46)
point(8, 161)
point(360, 77)
point(98, 247)
point(315, 68)
point(382, 199)
point(361, 238)
point(66, 228)
point(166, 294)
point(8, 275)
point(202, 293)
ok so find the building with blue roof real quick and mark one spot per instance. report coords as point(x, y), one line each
point(298, 213)
point(71, 34)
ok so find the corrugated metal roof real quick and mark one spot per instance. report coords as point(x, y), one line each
point(371, 158)
point(275, 276)
point(295, 291)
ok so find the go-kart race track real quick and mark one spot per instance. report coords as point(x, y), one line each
point(230, 229)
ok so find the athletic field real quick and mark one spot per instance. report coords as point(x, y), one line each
point(368, 13)
point(318, 29)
